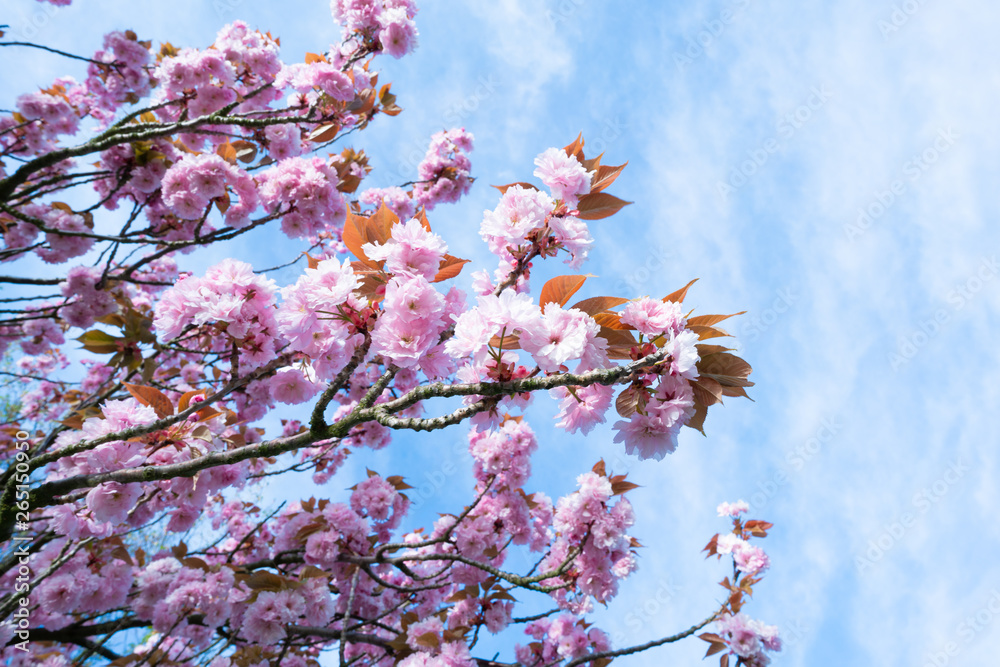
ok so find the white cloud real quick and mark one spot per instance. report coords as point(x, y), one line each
point(891, 97)
point(827, 353)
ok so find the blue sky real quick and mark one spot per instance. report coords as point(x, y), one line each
point(829, 167)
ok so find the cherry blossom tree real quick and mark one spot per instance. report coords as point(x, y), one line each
point(161, 420)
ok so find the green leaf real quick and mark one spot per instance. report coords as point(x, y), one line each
point(99, 342)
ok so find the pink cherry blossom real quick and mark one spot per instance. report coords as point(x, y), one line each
point(653, 317)
point(394, 197)
point(563, 174)
point(649, 436)
point(111, 501)
point(748, 638)
point(562, 335)
point(444, 175)
point(683, 352)
point(411, 251)
point(290, 385)
point(733, 509)
point(520, 211)
point(411, 322)
point(230, 296)
point(582, 408)
point(265, 619)
point(317, 74)
point(399, 34)
point(88, 302)
point(304, 192)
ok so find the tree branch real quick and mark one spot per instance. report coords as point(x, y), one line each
point(643, 647)
point(57, 52)
point(46, 493)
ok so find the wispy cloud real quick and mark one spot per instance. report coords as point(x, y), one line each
point(828, 307)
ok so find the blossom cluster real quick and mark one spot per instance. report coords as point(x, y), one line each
point(318, 314)
point(553, 336)
point(733, 510)
point(193, 182)
point(749, 559)
point(413, 317)
point(65, 232)
point(89, 583)
point(387, 25)
point(502, 458)
point(165, 425)
point(561, 638)
point(528, 219)
point(118, 74)
point(413, 313)
point(395, 198)
point(44, 117)
point(588, 522)
point(506, 229)
point(305, 191)
point(748, 638)
point(651, 432)
point(236, 302)
point(201, 82)
point(444, 175)
point(140, 167)
point(564, 175)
